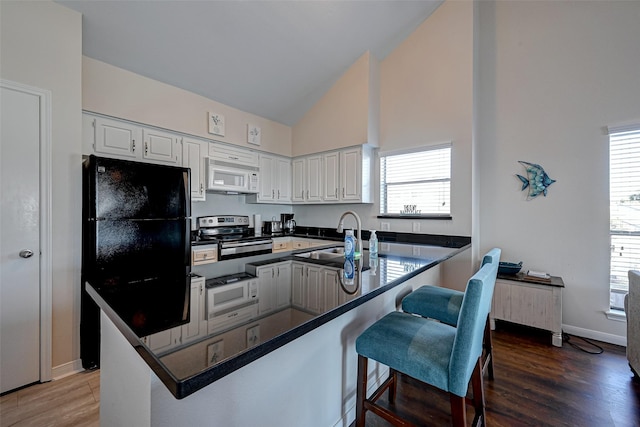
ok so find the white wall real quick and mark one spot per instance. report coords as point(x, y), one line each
point(551, 76)
point(41, 45)
point(119, 93)
point(425, 99)
point(341, 117)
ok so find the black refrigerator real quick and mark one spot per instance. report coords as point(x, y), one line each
point(136, 250)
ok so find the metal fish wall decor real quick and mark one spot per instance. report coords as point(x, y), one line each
point(537, 179)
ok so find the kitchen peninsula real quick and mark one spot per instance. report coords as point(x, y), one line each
point(295, 366)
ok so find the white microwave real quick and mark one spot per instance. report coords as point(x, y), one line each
point(223, 177)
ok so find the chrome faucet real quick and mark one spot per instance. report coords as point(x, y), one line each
point(340, 229)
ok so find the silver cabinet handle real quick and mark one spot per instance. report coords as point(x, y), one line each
point(278, 194)
point(26, 253)
point(146, 147)
point(201, 188)
point(307, 194)
point(336, 192)
point(133, 145)
point(273, 194)
point(342, 192)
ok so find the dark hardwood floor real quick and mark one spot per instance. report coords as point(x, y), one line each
point(536, 384)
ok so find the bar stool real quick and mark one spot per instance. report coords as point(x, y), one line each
point(443, 304)
point(443, 356)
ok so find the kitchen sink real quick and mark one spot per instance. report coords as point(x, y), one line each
point(323, 253)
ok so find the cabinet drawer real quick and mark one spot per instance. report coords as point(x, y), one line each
point(204, 256)
point(280, 246)
point(300, 245)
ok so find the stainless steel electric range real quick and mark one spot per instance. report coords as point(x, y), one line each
point(233, 236)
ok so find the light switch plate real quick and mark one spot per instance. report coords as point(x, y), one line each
point(216, 123)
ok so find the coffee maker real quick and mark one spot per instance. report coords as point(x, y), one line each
point(288, 223)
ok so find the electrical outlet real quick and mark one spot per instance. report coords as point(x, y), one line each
point(384, 226)
point(253, 336)
point(416, 227)
point(215, 352)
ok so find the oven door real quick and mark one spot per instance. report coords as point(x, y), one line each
point(226, 297)
point(242, 248)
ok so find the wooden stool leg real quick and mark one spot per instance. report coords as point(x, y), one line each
point(361, 391)
point(392, 387)
point(488, 350)
point(478, 395)
point(458, 410)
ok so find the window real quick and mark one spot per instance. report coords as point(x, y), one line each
point(624, 210)
point(416, 183)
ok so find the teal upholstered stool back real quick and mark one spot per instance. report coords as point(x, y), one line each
point(476, 304)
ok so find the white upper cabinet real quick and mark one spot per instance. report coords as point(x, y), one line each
point(161, 146)
point(130, 141)
point(114, 137)
point(307, 179)
point(342, 176)
point(275, 180)
point(331, 173)
point(233, 155)
point(193, 158)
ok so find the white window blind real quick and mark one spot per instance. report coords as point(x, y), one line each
point(624, 219)
point(420, 178)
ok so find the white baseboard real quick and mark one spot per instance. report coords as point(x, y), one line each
point(66, 369)
point(595, 335)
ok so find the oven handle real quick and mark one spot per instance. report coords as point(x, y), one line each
point(226, 245)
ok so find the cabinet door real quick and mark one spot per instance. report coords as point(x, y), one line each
point(267, 190)
point(118, 138)
point(161, 146)
point(266, 289)
point(165, 340)
point(330, 174)
point(283, 185)
point(297, 180)
point(314, 289)
point(313, 177)
point(283, 285)
point(330, 284)
point(351, 174)
point(197, 324)
point(297, 284)
point(192, 158)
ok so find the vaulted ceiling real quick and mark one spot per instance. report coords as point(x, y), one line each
point(270, 58)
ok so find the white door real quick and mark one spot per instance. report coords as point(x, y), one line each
point(19, 239)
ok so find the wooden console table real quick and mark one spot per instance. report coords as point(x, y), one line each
point(529, 302)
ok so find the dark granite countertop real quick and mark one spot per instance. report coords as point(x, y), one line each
point(186, 369)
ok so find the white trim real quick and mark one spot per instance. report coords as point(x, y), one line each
point(623, 128)
point(66, 369)
point(617, 315)
point(45, 222)
point(595, 335)
point(436, 146)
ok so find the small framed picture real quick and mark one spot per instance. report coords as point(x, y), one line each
point(216, 124)
point(254, 134)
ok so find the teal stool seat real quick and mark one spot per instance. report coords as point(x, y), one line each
point(443, 304)
point(444, 356)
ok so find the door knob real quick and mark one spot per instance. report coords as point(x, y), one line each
point(26, 253)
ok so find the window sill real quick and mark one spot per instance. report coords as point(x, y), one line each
point(417, 216)
point(617, 315)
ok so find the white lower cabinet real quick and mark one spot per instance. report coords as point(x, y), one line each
point(314, 288)
point(166, 340)
point(274, 286)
